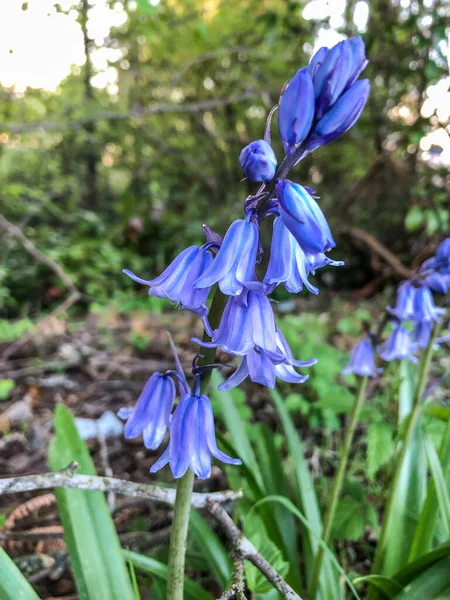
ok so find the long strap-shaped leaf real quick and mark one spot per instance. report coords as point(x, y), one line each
point(94, 548)
point(13, 585)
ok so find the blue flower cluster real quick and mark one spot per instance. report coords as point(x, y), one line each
point(322, 101)
point(414, 304)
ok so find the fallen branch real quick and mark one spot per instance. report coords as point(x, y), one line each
point(245, 548)
point(237, 589)
point(67, 479)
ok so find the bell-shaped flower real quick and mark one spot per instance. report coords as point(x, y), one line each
point(177, 281)
point(303, 217)
point(398, 346)
point(296, 110)
point(151, 414)
point(320, 260)
point(424, 306)
point(288, 263)
point(445, 339)
point(441, 261)
point(405, 305)
point(235, 261)
point(335, 71)
point(342, 115)
point(246, 322)
point(421, 334)
point(362, 361)
point(192, 441)
point(437, 282)
point(258, 161)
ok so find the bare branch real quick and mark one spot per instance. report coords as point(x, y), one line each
point(137, 113)
point(66, 479)
point(242, 545)
point(237, 589)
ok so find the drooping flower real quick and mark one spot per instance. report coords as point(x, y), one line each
point(362, 361)
point(441, 261)
point(398, 346)
point(258, 161)
point(424, 306)
point(342, 115)
point(335, 70)
point(303, 217)
point(192, 441)
point(421, 333)
point(296, 110)
point(404, 307)
point(235, 261)
point(151, 414)
point(176, 282)
point(246, 322)
point(437, 282)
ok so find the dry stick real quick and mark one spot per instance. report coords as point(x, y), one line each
point(66, 479)
point(237, 589)
point(242, 545)
point(75, 295)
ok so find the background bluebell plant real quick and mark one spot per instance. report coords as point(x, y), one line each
point(320, 103)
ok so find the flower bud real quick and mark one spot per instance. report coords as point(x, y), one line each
point(258, 161)
point(342, 115)
point(296, 112)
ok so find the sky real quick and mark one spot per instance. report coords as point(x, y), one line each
point(39, 46)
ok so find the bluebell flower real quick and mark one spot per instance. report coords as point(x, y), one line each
point(398, 346)
point(246, 322)
point(437, 282)
point(421, 334)
point(404, 307)
point(258, 161)
point(235, 261)
point(441, 261)
point(424, 306)
point(320, 260)
point(445, 339)
point(303, 217)
point(334, 71)
point(342, 115)
point(288, 263)
point(176, 282)
point(151, 414)
point(192, 441)
point(362, 361)
point(296, 110)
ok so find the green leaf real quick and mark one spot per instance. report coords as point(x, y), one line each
point(13, 585)
point(94, 548)
point(192, 591)
point(429, 584)
point(307, 500)
point(414, 569)
point(440, 486)
point(348, 523)
point(255, 531)
point(380, 447)
point(6, 387)
point(414, 218)
point(212, 548)
point(387, 585)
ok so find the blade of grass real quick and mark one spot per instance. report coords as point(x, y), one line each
point(94, 548)
point(387, 585)
point(149, 565)
point(306, 498)
point(429, 584)
point(440, 486)
point(13, 585)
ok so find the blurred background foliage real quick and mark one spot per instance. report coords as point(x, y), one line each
point(121, 164)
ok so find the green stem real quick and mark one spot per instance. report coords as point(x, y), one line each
point(409, 432)
point(178, 537)
point(180, 523)
point(337, 485)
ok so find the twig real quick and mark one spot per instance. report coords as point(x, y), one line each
point(237, 589)
point(138, 113)
point(242, 545)
point(66, 479)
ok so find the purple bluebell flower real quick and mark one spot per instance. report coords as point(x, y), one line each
point(362, 361)
point(424, 306)
point(320, 260)
point(404, 307)
point(296, 111)
point(288, 263)
point(176, 282)
point(235, 261)
point(303, 217)
point(342, 115)
point(445, 339)
point(398, 346)
point(441, 261)
point(192, 441)
point(246, 322)
point(335, 70)
point(421, 334)
point(437, 282)
point(151, 414)
point(258, 161)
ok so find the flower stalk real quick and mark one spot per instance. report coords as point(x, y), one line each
point(337, 485)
